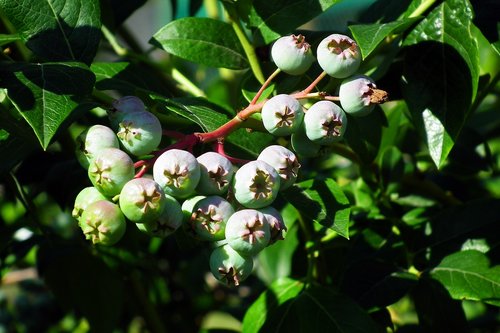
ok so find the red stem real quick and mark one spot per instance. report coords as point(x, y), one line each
point(264, 86)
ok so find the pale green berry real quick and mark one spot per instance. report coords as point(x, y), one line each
point(276, 223)
point(92, 140)
point(124, 106)
point(248, 232)
point(325, 122)
point(282, 115)
point(359, 94)
point(209, 217)
point(302, 145)
point(102, 222)
point(84, 198)
point(339, 56)
point(178, 173)
point(139, 132)
point(292, 54)
point(142, 200)
point(216, 173)
point(283, 161)
point(256, 184)
point(110, 170)
point(230, 267)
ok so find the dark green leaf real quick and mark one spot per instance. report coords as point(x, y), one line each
point(369, 36)
point(200, 111)
point(437, 311)
point(252, 143)
point(323, 202)
point(16, 141)
point(47, 94)
point(273, 19)
point(468, 275)
point(442, 75)
point(202, 40)
point(57, 30)
point(129, 79)
point(6, 39)
point(391, 165)
point(287, 307)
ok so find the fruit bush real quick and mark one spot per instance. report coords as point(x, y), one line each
point(254, 166)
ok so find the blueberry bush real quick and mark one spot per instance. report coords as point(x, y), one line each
point(249, 166)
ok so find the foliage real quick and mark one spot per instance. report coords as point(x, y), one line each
point(390, 229)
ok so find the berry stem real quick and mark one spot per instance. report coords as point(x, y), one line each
point(219, 148)
point(314, 83)
point(174, 134)
point(264, 86)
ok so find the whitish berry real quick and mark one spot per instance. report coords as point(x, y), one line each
point(282, 115)
point(110, 170)
point(142, 200)
point(292, 54)
point(209, 217)
point(178, 173)
point(169, 221)
point(86, 196)
point(248, 232)
point(282, 160)
point(359, 94)
point(325, 122)
point(276, 223)
point(256, 184)
point(103, 222)
point(92, 140)
point(339, 56)
point(230, 267)
point(139, 132)
point(216, 173)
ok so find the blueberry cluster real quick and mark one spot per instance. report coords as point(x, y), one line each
point(207, 196)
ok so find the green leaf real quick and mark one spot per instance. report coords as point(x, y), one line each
point(369, 36)
point(324, 202)
point(16, 141)
point(57, 30)
point(273, 19)
point(129, 79)
point(6, 39)
point(442, 74)
point(204, 41)
point(288, 307)
point(47, 94)
point(468, 275)
point(252, 143)
point(198, 110)
point(391, 165)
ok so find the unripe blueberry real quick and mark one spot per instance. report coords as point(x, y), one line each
point(139, 132)
point(302, 145)
point(103, 222)
point(230, 267)
point(123, 106)
point(110, 170)
point(283, 161)
point(216, 173)
point(256, 184)
point(209, 217)
point(292, 54)
point(142, 200)
point(282, 115)
point(276, 223)
point(92, 140)
point(248, 232)
point(188, 206)
point(178, 172)
point(359, 94)
point(325, 122)
point(339, 56)
point(169, 221)
point(86, 196)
